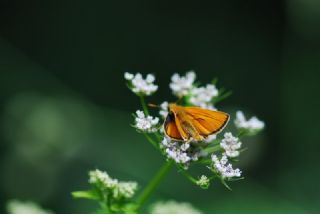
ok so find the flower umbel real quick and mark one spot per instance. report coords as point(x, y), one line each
point(203, 96)
point(102, 179)
point(140, 86)
point(112, 195)
point(251, 126)
point(181, 153)
point(203, 182)
point(125, 189)
point(181, 85)
point(224, 168)
point(107, 185)
point(231, 145)
point(146, 123)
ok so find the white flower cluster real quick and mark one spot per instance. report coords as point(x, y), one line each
point(102, 179)
point(204, 181)
point(18, 207)
point(164, 109)
point(146, 123)
point(125, 189)
point(203, 96)
point(231, 145)
point(252, 125)
point(180, 153)
point(224, 168)
point(119, 189)
point(172, 207)
point(181, 85)
point(141, 86)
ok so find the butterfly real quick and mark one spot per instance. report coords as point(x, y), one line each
point(193, 123)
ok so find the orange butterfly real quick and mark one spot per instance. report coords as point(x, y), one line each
point(193, 123)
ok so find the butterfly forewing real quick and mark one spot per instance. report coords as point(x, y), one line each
point(207, 121)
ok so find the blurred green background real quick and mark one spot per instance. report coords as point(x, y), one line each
point(65, 109)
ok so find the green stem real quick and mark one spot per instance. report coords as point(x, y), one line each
point(213, 149)
point(151, 141)
point(144, 106)
point(154, 183)
point(188, 176)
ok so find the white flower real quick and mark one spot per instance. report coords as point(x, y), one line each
point(210, 138)
point(164, 109)
point(181, 153)
point(202, 96)
point(18, 207)
point(172, 207)
point(180, 85)
point(224, 168)
point(102, 179)
point(119, 189)
point(252, 125)
point(230, 144)
point(141, 86)
point(204, 181)
point(125, 189)
point(146, 123)
point(128, 76)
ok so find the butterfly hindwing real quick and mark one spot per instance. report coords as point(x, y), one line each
point(170, 127)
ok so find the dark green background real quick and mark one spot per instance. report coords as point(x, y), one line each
point(65, 108)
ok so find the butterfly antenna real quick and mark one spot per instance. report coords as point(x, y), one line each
point(153, 105)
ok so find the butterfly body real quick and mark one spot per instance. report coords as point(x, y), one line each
point(193, 123)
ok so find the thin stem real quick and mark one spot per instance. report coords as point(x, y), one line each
point(154, 183)
point(188, 176)
point(153, 143)
point(213, 149)
point(144, 106)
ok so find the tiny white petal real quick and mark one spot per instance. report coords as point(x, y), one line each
point(164, 109)
point(128, 76)
point(210, 138)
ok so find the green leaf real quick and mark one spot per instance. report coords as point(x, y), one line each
point(222, 95)
point(89, 194)
point(130, 208)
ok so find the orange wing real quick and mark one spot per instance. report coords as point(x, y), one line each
point(206, 121)
point(170, 127)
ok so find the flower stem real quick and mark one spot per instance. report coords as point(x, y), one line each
point(151, 141)
point(144, 106)
point(154, 183)
point(213, 149)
